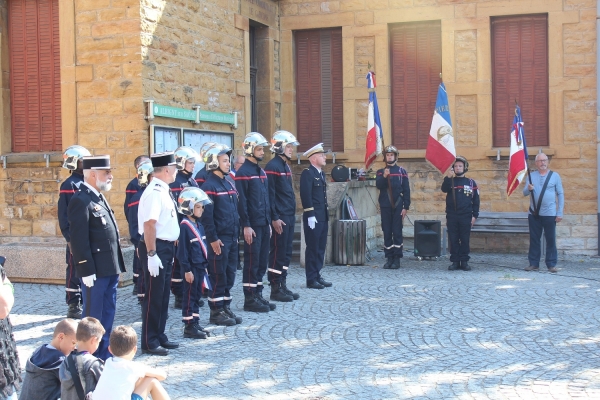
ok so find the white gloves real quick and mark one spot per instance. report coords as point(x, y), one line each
point(153, 265)
point(89, 280)
point(311, 222)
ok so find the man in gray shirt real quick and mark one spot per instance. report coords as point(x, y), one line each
point(544, 214)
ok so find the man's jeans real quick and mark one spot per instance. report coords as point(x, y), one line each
point(548, 225)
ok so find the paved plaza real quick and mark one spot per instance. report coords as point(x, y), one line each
point(421, 332)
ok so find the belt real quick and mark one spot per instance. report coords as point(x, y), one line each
point(159, 240)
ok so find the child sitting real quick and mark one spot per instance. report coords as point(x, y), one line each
point(124, 379)
point(42, 381)
point(81, 363)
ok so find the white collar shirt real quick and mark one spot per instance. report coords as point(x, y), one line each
point(157, 204)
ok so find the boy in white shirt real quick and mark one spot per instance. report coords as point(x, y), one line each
point(124, 379)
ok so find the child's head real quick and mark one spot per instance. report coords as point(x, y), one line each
point(89, 334)
point(123, 342)
point(63, 338)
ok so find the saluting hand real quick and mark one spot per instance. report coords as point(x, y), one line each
point(249, 234)
point(216, 246)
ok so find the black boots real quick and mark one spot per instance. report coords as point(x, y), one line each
point(219, 317)
point(454, 266)
point(238, 320)
point(259, 297)
point(251, 303)
point(277, 293)
point(388, 263)
point(395, 263)
point(178, 301)
point(285, 290)
point(75, 311)
point(195, 331)
point(465, 265)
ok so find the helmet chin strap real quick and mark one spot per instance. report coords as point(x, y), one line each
point(461, 174)
point(392, 162)
point(256, 158)
point(223, 172)
point(286, 156)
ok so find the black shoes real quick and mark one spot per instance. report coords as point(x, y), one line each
point(260, 298)
point(285, 290)
point(159, 351)
point(455, 265)
point(194, 331)
point(178, 301)
point(315, 285)
point(277, 293)
point(219, 317)
point(251, 303)
point(388, 263)
point(238, 320)
point(75, 311)
point(169, 345)
point(395, 263)
point(465, 265)
point(324, 282)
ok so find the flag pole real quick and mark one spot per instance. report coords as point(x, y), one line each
point(525, 153)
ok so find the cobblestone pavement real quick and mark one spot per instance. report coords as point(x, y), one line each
point(419, 332)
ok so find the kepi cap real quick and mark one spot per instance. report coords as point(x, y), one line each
point(95, 162)
point(163, 159)
point(314, 150)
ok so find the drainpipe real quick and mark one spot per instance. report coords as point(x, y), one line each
point(598, 117)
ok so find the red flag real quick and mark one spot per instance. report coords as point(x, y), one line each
point(517, 165)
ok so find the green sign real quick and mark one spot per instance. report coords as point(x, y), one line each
point(174, 112)
point(222, 118)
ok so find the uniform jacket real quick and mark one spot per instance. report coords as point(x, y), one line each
point(281, 190)
point(191, 250)
point(313, 194)
point(467, 196)
point(132, 211)
point(220, 217)
point(398, 178)
point(67, 189)
point(132, 188)
point(251, 184)
point(201, 176)
point(94, 236)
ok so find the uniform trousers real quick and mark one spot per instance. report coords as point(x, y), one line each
point(155, 308)
point(100, 302)
point(280, 254)
point(391, 224)
point(459, 234)
point(190, 309)
point(135, 267)
point(221, 271)
point(139, 283)
point(72, 282)
point(256, 258)
point(314, 254)
point(176, 278)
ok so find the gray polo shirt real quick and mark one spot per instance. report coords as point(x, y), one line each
point(554, 193)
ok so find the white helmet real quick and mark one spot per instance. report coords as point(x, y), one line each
point(280, 140)
point(211, 155)
point(144, 170)
point(252, 140)
point(188, 198)
point(73, 154)
point(182, 155)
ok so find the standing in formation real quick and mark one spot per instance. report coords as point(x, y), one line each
point(394, 201)
point(159, 229)
point(283, 214)
point(221, 225)
point(72, 162)
point(313, 194)
point(255, 218)
point(462, 210)
point(95, 244)
point(546, 209)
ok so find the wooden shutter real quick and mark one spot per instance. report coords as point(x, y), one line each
point(34, 75)
point(520, 72)
point(416, 62)
point(319, 88)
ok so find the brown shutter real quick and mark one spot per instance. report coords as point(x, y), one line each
point(35, 75)
point(520, 72)
point(416, 61)
point(319, 88)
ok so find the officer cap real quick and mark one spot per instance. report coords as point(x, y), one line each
point(162, 159)
point(96, 162)
point(314, 150)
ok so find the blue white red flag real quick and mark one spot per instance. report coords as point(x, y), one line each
point(517, 165)
point(374, 132)
point(441, 152)
point(206, 282)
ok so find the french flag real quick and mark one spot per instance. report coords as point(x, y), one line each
point(517, 165)
point(206, 282)
point(374, 131)
point(441, 152)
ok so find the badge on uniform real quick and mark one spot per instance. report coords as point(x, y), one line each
point(96, 207)
point(468, 190)
point(103, 220)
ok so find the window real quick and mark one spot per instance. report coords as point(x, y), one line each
point(520, 72)
point(319, 89)
point(34, 75)
point(416, 64)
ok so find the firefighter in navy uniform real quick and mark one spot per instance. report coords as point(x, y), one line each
point(394, 201)
point(185, 160)
point(313, 194)
point(255, 217)
point(201, 175)
point(283, 214)
point(144, 176)
point(462, 210)
point(72, 162)
point(221, 225)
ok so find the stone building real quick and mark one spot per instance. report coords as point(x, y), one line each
point(127, 77)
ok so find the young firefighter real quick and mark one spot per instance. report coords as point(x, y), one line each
point(192, 256)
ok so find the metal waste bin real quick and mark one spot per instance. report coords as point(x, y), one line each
point(349, 241)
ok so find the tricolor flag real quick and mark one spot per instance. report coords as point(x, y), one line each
point(440, 147)
point(374, 131)
point(517, 166)
point(206, 282)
